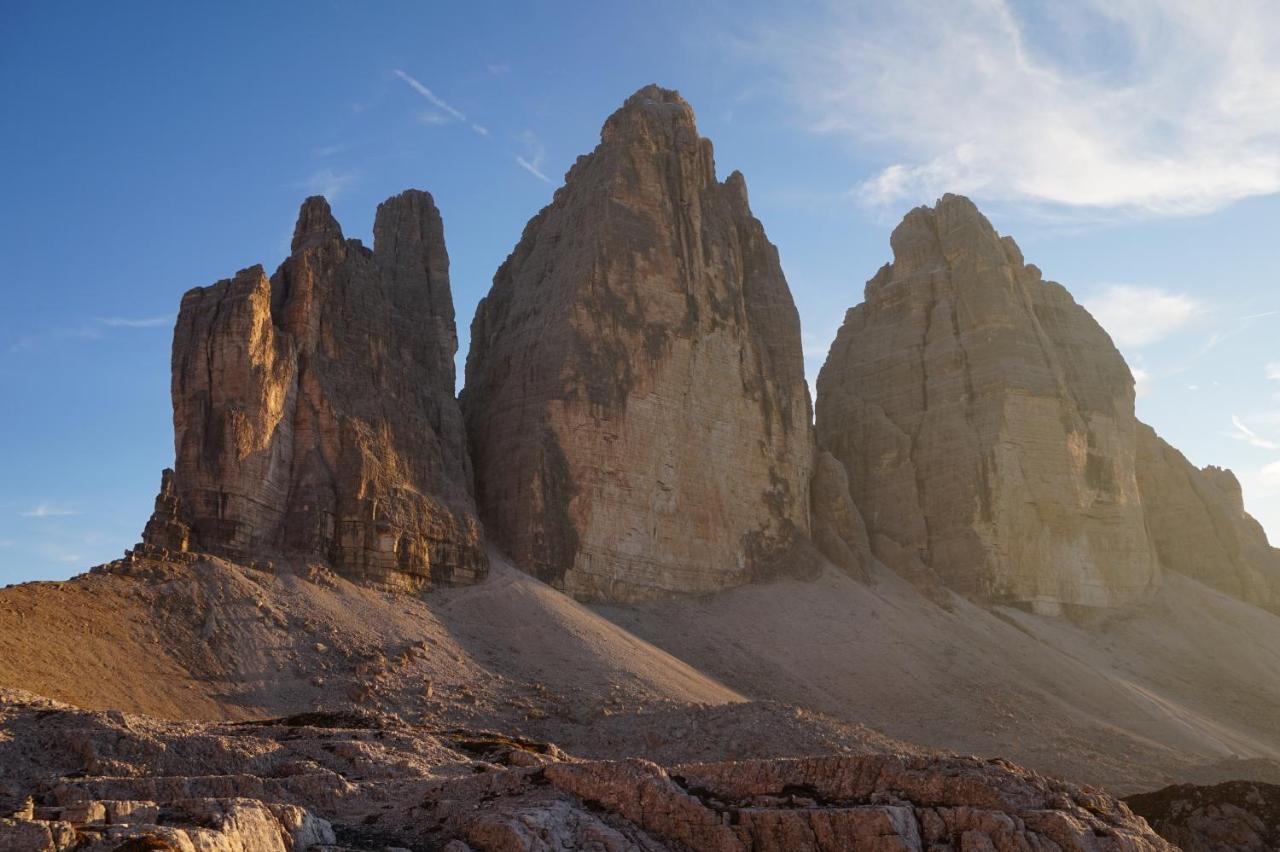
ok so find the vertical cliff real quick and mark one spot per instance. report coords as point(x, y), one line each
point(314, 412)
point(986, 423)
point(1199, 526)
point(635, 395)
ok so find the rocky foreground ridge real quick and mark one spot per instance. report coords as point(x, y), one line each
point(1238, 816)
point(324, 781)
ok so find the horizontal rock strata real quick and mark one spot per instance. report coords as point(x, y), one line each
point(68, 776)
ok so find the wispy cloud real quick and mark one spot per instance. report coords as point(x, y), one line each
point(1139, 316)
point(440, 103)
point(48, 510)
point(144, 322)
point(497, 69)
point(1244, 433)
point(1273, 371)
point(1269, 476)
point(86, 329)
point(1141, 381)
point(536, 154)
point(1153, 107)
point(328, 182)
point(532, 169)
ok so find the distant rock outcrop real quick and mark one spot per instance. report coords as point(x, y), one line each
point(314, 413)
point(1199, 526)
point(1238, 816)
point(986, 423)
point(635, 394)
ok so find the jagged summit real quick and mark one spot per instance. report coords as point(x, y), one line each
point(315, 226)
point(635, 394)
point(314, 414)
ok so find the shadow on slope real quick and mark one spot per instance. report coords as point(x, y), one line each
point(1183, 687)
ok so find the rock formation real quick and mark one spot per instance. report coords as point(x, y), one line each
point(314, 413)
point(838, 528)
point(107, 782)
point(986, 423)
point(1238, 816)
point(635, 395)
point(1199, 526)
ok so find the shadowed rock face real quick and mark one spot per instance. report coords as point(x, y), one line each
point(635, 394)
point(1199, 526)
point(1238, 816)
point(314, 412)
point(986, 423)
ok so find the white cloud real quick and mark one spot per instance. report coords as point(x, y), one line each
point(1244, 433)
point(1269, 475)
point(1141, 381)
point(1273, 371)
point(536, 154)
point(497, 69)
point(145, 322)
point(1139, 316)
point(439, 102)
point(1145, 106)
point(328, 183)
point(48, 510)
point(532, 169)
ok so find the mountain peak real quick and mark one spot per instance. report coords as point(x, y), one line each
point(316, 225)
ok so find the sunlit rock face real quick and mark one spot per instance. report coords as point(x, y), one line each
point(635, 393)
point(986, 423)
point(314, 412)
point(1199, 525)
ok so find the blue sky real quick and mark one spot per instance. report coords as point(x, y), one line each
point(1132, 149)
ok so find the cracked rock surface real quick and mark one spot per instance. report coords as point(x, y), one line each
point(635, 394)
point(70, 779)
point(314, 411)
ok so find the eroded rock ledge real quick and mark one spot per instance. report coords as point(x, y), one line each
point(72, 779)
